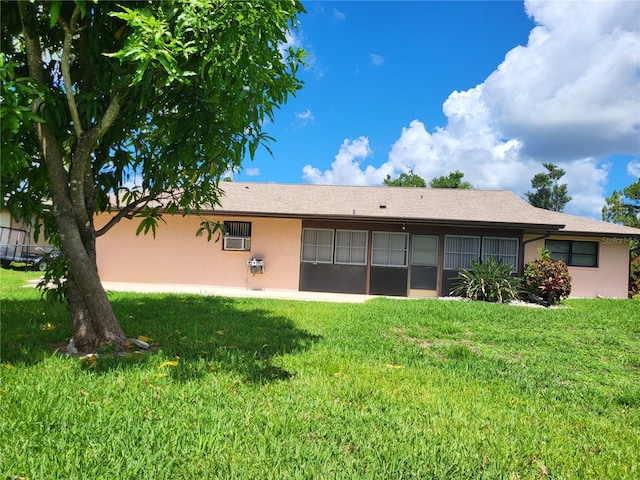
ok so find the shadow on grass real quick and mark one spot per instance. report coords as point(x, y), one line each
point(203, 334)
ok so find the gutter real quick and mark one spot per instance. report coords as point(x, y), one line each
point(535, 239)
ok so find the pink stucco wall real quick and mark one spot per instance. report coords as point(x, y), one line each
point(611, 277)
point(176, 255)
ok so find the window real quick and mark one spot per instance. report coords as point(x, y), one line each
point(351, 247)
point(503, 250)
point(574, 253)
point(317, 245)
point(424, 250)
point(389, 249)
point(460, 251)
point(237, 236)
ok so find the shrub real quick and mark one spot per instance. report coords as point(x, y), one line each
point(634, 277)
point(547, 278)
point(490, 281)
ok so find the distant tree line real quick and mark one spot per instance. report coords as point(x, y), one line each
point(453, 180)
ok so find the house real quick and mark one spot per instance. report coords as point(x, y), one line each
point(364, 240)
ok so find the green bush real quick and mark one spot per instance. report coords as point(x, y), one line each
point(547, 278)
point(490, 281)
point(634, 277)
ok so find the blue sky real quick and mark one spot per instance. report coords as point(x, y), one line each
point(492, 89)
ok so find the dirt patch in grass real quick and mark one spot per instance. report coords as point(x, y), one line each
point(402, 336)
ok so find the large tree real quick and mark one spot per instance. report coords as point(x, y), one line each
point(453, 180)
point(405, 180)
point(139, 105)
point(549, 193)
point(623, 207)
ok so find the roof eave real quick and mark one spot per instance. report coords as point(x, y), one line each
point(529, 227)
point(578, 233)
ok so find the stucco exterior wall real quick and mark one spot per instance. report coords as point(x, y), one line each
point(610, 279)
point(176, 255)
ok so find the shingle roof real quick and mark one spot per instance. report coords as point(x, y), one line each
point(420, 205)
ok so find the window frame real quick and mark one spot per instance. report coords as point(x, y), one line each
point(446, 265)
point(570, 253)
point(350, 246)
point(236, 227)
point(485, 257)
point(405, 250)
point(315, 245)
point(413, 250)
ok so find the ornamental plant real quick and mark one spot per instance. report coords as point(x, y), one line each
point(490, 281)
point(547, 278)
point(634, 278)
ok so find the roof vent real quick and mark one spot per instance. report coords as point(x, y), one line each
point(383, 205)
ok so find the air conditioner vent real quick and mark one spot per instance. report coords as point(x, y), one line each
point(237, 243)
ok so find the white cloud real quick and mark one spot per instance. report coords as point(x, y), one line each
point(571, 96)
point(573, 91)
point(252, 172)
point(376, 60)
point(305, 117)
point(338, 15)
point(633, 168)
point(345, 169)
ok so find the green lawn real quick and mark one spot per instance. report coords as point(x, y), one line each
point(271, 389)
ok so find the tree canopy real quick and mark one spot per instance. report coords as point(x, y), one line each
point(405, 180)
point(549, 193)
point(623, 207)
point(410, 179)
point(453, 180)
point(137, 105)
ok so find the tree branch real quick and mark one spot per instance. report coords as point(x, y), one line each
point(110, 116)
point(48, 142)
point(127, 212)
point(69, 31)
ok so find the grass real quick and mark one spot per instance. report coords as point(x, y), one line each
point(271, 389)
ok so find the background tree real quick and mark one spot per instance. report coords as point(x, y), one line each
point(453, 180)
point(624, 208)
point(405, 180)
point(137, 105)
point(549, 193)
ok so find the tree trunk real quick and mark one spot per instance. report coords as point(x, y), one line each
point(73, 196)
point(94, 322)
point(84, 336)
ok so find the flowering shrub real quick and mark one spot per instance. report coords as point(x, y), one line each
point(547, 278)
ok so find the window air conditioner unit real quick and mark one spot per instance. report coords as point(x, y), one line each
point(237, 243)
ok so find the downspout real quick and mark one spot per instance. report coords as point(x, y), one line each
point(524, 242)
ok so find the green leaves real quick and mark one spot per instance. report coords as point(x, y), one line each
point(453, 180)
point(150, 217)
point(549, 193)
point(405, 180)
point(548, 279)
point(191, 86)
point(211, 228)
point(489, 281)
point(153, 47)
point(54, 13)
point(623, 207)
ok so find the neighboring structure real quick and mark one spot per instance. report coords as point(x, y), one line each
point(367, 240)
point(18, 245)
